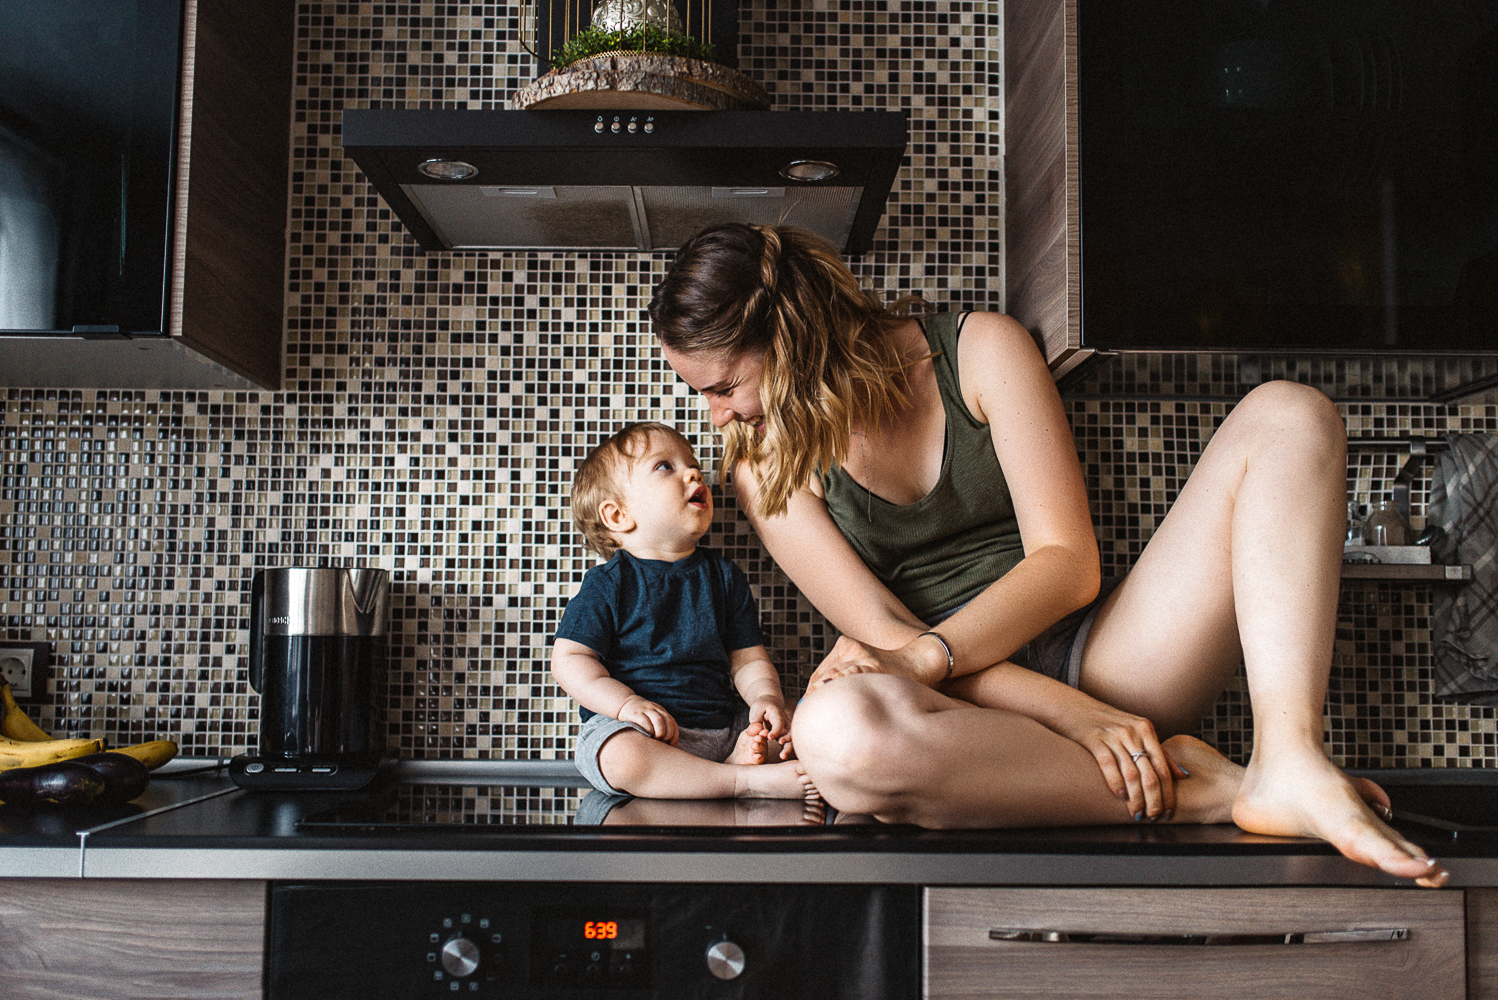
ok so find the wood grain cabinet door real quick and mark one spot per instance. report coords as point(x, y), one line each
point(128, 939)
point(1339, 944)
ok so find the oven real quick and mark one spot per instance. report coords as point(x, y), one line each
point(601, 941)
point(673, 918)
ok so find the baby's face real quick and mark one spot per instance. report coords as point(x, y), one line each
point(665, 497)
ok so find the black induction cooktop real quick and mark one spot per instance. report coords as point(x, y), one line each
point(551, 808)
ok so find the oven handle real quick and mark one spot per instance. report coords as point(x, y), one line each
point(1357, 936)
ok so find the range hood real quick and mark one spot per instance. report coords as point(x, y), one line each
point(625, 180)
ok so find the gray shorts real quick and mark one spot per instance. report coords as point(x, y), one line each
point(1057, 652)
point(709, 744)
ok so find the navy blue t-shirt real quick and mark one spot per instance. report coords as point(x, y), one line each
point(666, 630)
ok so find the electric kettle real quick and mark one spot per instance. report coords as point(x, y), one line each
point(318, 660)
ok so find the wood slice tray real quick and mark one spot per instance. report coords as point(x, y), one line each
point(642, 81)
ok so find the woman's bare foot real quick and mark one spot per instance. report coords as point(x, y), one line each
point(1305, 795)
point(753, 746)
point(1212, 784)
point(786, 780)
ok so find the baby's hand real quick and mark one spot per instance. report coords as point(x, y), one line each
point(775, 721)
point(650, 717)
point(771, 713)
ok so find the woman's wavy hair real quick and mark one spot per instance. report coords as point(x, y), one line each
point(785, 294)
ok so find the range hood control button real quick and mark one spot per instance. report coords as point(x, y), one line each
point(598, 125)
point(725, 960)
point(460, 956)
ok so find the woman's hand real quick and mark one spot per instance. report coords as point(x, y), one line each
point(650, 717)
point(1145, 780)
point(917, 660)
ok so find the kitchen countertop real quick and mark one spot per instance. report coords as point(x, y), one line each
point(193, 822)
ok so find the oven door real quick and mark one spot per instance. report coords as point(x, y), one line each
point(603, 941)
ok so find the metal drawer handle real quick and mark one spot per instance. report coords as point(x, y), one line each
point(1368, 936)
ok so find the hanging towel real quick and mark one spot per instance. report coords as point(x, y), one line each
point(1464, 503)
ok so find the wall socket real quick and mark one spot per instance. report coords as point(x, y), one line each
point(22, 664)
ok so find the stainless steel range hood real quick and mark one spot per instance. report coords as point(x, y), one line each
point(625, 180)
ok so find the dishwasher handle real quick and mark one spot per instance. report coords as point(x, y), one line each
point(1373, 935)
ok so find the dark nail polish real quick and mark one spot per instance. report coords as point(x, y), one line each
point(1139, 817)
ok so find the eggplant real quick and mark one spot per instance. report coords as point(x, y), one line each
point(64, 783)
point(124, 776)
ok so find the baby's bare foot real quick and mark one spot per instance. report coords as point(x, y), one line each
point(752, 746)
point(785, 780)
point(1305, 795)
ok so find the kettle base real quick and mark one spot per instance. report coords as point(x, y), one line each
point(313, 773)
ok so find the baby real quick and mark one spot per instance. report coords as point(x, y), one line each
point(657, 639)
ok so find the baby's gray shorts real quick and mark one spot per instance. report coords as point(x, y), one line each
point(709, 744)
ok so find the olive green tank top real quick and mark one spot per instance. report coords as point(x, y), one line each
point(938, 553)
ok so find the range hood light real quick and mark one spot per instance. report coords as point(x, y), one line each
point(548, 180)
point(448, 170)
point(809, 170)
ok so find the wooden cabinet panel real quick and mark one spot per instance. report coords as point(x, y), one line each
point(228, 281)
point(1188, 947)
point(86, 939)
point(1482, 943)
point(1042, 221)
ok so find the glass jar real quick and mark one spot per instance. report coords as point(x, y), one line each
point(1386, 526)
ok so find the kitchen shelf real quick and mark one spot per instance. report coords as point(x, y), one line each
point(1429, 572)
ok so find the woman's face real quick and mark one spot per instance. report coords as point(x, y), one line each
point(729, 383)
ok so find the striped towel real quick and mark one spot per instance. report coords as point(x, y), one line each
point(1464, 502)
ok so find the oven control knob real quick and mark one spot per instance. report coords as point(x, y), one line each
point(725, 960)
point(460, 956)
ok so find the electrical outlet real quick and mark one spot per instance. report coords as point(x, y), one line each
point(22, 663)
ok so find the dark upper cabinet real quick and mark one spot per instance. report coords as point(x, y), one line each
point(1230, 175)
point(144, 152)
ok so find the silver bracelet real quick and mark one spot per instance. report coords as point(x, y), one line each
point(944, 646)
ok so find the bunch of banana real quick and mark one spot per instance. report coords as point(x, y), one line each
point(25, 744)
point(34, 753)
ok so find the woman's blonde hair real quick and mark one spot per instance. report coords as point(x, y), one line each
point(785, 295)
point(597, 479)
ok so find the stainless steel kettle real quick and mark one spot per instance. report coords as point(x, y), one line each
point(318, 659)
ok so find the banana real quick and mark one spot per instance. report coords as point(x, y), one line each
point(34, 753)
point(15, 723)
point(152, 753)
point(16, 728)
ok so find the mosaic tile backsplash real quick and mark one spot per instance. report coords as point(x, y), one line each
point(435, 406)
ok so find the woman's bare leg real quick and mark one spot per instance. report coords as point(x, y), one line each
point(890, 748)
point(1247, 564)
point(648, 768)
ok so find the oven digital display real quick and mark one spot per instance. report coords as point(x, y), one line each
point(598, 948)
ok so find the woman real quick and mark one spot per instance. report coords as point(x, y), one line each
point(918, 482)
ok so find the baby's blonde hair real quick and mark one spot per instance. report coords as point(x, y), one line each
point(597, 479)
point(829, 359)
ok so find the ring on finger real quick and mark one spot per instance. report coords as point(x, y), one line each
point(1136, 754)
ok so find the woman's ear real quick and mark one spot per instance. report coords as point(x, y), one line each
point(613, 516)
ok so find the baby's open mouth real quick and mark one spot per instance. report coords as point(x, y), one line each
point(700, 497)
